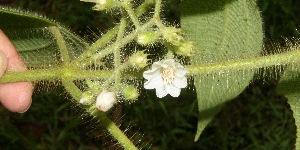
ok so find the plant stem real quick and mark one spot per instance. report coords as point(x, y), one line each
point(157, 10)
point(233, 65)
point(61, 45)
point(132, 15)
point(72, 89)
point(54, 74)
point(111, 127)
point(124, 41)
point(111, 78)
point(246, 64)
point(110, 34)
point(100, 43)
point(117, 53)
point(115, 131)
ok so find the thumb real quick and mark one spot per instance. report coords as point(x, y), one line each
point(16, 97)
point(3, 63)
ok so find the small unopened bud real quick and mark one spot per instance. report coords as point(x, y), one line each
point(172, 35)
point(139, 59)
point(185, 49)
point(146, 38)
point(106, 100)
point(130, 93)
point(87, 98)
point(101, 4)
point(105, 5)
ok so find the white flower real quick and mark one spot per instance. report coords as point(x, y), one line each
point(105, 100)
point(167, 77)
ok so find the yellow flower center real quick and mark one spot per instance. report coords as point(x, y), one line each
point(168, 74)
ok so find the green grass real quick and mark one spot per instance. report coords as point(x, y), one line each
point(258, 119)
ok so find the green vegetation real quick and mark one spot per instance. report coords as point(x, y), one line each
point(259, 118)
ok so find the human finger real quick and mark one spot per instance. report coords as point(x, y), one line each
point(16, 97)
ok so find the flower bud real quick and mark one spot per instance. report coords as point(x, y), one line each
point(185, 49)
point(139, 59)
point(105, 100)
point(87, 98)
point(101, 4)
point(130, 93)
point(146, 38)
point(172, 35)
point(104, 5)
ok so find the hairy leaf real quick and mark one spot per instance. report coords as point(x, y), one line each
point(32, 37)
point(289, 85)
point(223, 30)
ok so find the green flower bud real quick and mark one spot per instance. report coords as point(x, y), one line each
point(139, 59)
point(87, 98)
point(130, 93)
point(146, 38)
point(172, 35)
point(102, 4)
point(185, 49)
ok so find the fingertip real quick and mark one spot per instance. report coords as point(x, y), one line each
point(3, 62)
point(16, 97)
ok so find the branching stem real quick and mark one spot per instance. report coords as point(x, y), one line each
point(111, 127)
point(234, 65)
point(132, 15)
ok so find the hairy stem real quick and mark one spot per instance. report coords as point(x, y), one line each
point(76, 74)
point(132, 15)
point(54, 74)
point(124, 41)
point(111, 34)
point(115, 131)
point(111, 127)
point(117, 53)
point(157, 10)
point(100, 43)
point(234, 65)
point(61, 44)
point(246, 64)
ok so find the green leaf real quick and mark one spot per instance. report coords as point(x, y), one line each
point(32, 37)
point(289, 85)
point(223, 30)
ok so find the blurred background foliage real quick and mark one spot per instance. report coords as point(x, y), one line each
point(259, 118)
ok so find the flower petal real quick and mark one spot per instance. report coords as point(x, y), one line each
point(180, 72)
point(155, 82)
point(180, 82)
point(150, 73)
point(156, 65)
point(172, 90)
point(160, 92)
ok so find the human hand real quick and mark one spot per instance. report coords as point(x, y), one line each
point(16, 97)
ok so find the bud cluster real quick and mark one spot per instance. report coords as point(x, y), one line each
point(175, 40)
point(104, 94)
point(170, 36)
